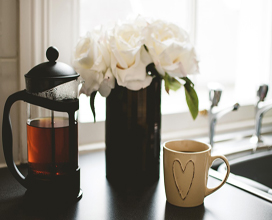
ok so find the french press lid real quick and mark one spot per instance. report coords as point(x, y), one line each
point(50, 74)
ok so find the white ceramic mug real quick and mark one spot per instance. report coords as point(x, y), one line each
point(186, 165)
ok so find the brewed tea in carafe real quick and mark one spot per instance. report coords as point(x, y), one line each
point(49, 150)
point(48, 145)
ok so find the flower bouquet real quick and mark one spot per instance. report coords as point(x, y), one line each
point(126, 63)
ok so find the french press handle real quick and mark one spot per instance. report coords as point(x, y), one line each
point(7, 137)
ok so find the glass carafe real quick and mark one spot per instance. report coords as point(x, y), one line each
point(48, 135)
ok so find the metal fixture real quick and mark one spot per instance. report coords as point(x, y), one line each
point(261, 107)
point(215, 92)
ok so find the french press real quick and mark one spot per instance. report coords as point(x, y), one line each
point(52, 101)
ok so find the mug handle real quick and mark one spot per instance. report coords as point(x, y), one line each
point(7, 137)
point(208, 190)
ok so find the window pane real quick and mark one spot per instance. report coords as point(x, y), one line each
point(233, 40)
point(85, 112)
point(93, 13)
point(216, 41)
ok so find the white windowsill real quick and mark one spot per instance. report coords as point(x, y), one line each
point(225, 131)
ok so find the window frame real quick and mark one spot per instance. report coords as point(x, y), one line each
point(41, 16)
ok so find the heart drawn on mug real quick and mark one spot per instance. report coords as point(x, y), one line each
point(187, 183)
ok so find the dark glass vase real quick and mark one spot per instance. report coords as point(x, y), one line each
point(133, 124)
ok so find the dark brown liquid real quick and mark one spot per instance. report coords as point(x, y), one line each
point(182, 151)
point(48, 147)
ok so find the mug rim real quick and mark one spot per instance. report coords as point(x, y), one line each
point(184, 152)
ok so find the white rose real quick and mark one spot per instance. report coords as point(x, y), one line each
point(128, 55)
point(170, 49)
point(92, 62)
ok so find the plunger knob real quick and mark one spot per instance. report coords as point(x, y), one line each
point(52, 54)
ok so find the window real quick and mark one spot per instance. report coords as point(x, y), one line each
point(232, 38)
point(90, 16)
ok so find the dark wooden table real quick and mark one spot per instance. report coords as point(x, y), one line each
point(102, 201)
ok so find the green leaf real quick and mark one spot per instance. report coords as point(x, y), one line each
point(171, 83)
point(92, 98)
point(191, 97)
point(146, 48)
point(187, 80)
